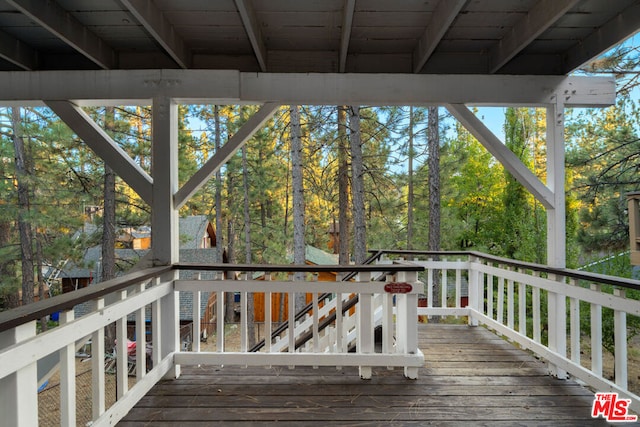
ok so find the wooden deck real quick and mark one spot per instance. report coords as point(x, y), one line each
point(471, 377)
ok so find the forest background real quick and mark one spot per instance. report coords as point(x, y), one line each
point(49, 180)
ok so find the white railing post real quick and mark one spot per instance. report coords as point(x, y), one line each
point(364, 322)
point(170, 325)
point(407, 321)
point(620, 337)
point(122, 356)
point(474, 285)
point(19, 391)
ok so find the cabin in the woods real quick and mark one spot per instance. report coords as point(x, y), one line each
point(469, 369)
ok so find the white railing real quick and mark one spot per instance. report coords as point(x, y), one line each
point(556, 313)
point(151, 296)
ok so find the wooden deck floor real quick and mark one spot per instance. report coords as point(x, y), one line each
point(471, 377)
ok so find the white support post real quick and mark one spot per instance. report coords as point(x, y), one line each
point(19, 391)
point(97, 368)
point(556, 228)
point(365, 338)
point(164, 215)
point(67, 377)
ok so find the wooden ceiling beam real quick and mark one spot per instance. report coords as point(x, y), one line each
point(48, 14)
point(17, 52)
point(616, 30)
point(157, 24)
point(345, 34)
point(541, 16)
point(248, 17)
point(442, 17)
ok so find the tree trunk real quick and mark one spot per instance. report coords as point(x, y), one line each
point(251, 329)
point(410, 184)
point(109, 227)
point(229, 314)
point(434, 194)
point(343, 188)
point(357, 184)
point(298, 200)
point(8, 268)
point(39, 278)
point(24, 225)
point(218, 196)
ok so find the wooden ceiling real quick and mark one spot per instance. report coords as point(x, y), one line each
point(547, 37)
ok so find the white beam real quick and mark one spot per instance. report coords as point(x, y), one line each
point(556, 221)
point(613, 32)
point(541, 16)
point(156, 23)
point(224, 154)
point(48, 14)
point(247, 14)
point(443, 15)
point(345, 34)
point(105, 147)
point(17, 52)
point(130, 87)
point(505, 156)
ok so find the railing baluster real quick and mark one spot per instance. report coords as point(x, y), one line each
point(244, 326)
point(364, 322)
point(458, 296)
point(316, 332)
point(340, 332)
point(122, 362)
point(574, 325)
point(522, 308)
point(220, 316)
point(67, 377)
point(596, 334)
point(444, 286)
point(156, 328)
point(292, 322)
point(141, 339)
point(196, 316)
point(500, 313)
point(510, 303)
point(97, 368)
point(490, 297)
point(620, 330)
point(430, 286)
point(535, 306)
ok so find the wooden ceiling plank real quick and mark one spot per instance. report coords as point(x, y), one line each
point(442, 17)
point(157, 24)
point(248, 16)
point(345, 36)
point(541, 16)
point(17, 52)
point(65, 26)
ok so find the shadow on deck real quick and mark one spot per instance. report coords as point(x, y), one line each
point(471, 377)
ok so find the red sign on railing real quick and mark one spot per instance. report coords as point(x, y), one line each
point(398, 288)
